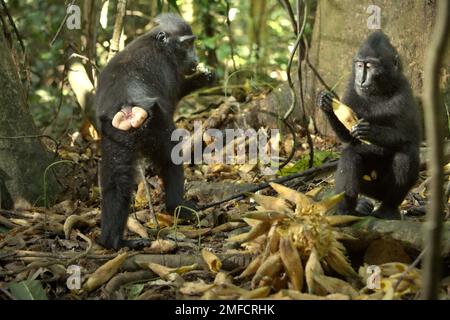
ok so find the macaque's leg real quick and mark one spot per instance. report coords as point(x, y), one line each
point(347, 177)
point(159, 152)
point(117, 184)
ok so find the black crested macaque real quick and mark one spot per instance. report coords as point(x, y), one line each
point(137, 93)
point(389, 120)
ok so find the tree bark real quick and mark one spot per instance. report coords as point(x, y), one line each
point(23, 158)
point(434, 106)
point(340, 28)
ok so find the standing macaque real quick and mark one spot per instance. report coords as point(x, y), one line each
point(137, 94)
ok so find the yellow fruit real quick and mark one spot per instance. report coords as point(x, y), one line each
point(344, 114)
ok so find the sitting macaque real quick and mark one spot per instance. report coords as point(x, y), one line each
point(381, 154)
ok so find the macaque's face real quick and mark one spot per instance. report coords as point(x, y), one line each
point(367, 72)
point(182, 48)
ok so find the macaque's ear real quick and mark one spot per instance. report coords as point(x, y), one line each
point(187, 41)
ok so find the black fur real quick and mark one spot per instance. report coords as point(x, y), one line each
point(382, 99)
point(150, 73)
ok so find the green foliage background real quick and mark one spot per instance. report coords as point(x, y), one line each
point(260, 35)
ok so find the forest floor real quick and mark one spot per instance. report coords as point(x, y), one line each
point(281, 242)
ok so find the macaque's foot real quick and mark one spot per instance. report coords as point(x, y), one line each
point(210, 76)
point(129, 117)
point(121, 243)
point(364, 207)
point(417, 211)
point(135, 244)
point(387, 213)
point(185, 210)
point(346, 207)
point(342, 209)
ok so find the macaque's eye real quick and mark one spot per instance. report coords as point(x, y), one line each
point(369, 65)
point(359, 65)
point(161, 37)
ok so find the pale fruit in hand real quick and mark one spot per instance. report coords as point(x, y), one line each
point(344, 114)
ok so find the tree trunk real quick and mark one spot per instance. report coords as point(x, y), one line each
point(341, 26)
point(22, 160)
point(339, 29)
point(205, 21)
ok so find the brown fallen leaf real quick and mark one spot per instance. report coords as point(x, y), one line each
point(335, 285)
point(196, 287)
point(191, 232)
point(272, 203)
point(212, 261)
point(136, 227)
point(73, 221)
point(342, 219)
point(260, 229)
point(292, 195)
point(228, 226)
point(292, 262)
point(252, 267)
point(104, 272)
point(267, 271)
point(164, 272)
point(313, 268)
point(161, 246)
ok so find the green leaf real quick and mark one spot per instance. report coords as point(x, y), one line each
point(160, 5)
point(135, 290)
point(173, 4)
point(303, 163)
point(28, 290)
point(3, 229)
point(209, 43)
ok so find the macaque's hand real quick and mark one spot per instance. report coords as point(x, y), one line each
point(206, 75)
point(210, 76)
point(324, 101)
point(129, 117)
point(362, 130)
